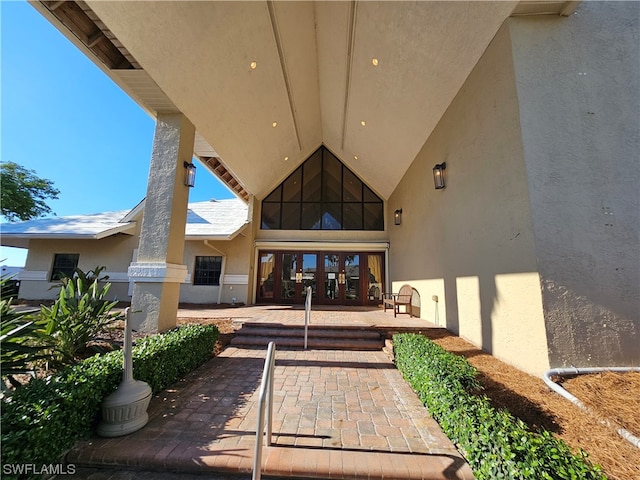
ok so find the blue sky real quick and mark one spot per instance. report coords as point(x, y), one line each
point(62, 117)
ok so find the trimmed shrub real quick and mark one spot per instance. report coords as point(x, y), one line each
point(496, 444)
point(44, 418)
point(163, 359)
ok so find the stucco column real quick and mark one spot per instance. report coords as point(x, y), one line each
point(158, 271)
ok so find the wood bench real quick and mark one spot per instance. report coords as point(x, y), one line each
point(395, 300)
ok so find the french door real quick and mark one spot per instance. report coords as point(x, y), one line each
point(341, 275)
point(335, 278)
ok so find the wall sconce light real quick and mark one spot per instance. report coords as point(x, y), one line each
point(438, 175)
point(397, 217)
point(190, 178)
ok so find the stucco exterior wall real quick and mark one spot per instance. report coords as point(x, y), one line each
point(578, 82)
point(471, 245)
point(115, 253)
point(234, 280)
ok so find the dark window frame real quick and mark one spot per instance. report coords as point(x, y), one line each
point(64, 264)
point(207, 275)
point(274, 205)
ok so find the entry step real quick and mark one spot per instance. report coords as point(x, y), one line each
point(324, 337)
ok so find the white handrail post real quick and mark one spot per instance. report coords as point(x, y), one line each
point(257, 459)
point(266, 394)
point(272, 361)
point(307, 314)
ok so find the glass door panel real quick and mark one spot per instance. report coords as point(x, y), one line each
point(352, 278)
point(331, 291)
point(289, 269)
point(375, 287)
point(335, 278)
point(266, 279)
point(309, 270)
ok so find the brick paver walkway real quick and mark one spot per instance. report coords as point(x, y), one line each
point(320, 315)
point(337, 414)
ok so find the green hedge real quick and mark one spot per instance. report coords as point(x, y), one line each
point(44, 418)
point(495, 444)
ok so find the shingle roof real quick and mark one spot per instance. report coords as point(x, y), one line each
point(215, 219)
point(98, 225)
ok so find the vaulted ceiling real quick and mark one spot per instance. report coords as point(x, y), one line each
point(267, 82)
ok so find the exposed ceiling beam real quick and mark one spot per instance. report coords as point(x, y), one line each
point(94, 38)
point(78, 22)
point(215, 165)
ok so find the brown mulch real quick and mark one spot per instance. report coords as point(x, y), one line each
point(615, 396)
point(609, 396)
point(115, 335)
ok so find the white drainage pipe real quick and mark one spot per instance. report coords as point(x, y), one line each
point(561, 372)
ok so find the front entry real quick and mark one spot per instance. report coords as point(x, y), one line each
point(335, 278)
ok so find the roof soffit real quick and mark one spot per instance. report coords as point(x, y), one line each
point(202, 62)
point(424, 50)
point(313, 77)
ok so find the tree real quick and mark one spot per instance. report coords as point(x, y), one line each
point(23, 193)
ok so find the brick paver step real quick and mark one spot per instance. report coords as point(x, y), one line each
point(294, 331)
point(318, 337)
point(312, 343)
point(318, 325)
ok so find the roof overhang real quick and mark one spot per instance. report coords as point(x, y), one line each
point(219, 237)
point(266, 83)
point(21, 240)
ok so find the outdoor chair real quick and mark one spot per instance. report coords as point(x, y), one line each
point(396, 300)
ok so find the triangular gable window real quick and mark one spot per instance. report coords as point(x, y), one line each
point(322, 194)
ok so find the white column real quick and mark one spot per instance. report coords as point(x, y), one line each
point(158, 271)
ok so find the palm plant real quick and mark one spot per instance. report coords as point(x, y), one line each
point(19, 347)
point(79, 314)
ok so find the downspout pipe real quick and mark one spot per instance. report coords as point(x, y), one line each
point(573, 371)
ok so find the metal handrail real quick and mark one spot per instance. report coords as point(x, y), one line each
point(266, 395)
point(307, 314)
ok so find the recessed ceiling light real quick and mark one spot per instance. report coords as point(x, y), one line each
point(374, 61)
point(254, 65)
point(363, 123)
point(355, 157)
point(286, 158)
point(274, 124)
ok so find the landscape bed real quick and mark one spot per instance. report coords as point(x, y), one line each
point(66, 406)
point(495, 443)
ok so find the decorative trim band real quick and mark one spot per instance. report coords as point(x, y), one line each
point(329, 246)
point(157, 272)
point(36, 275)
point(116, 277)
point(235, 279)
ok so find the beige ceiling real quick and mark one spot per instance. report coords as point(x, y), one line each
point(314, 76)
